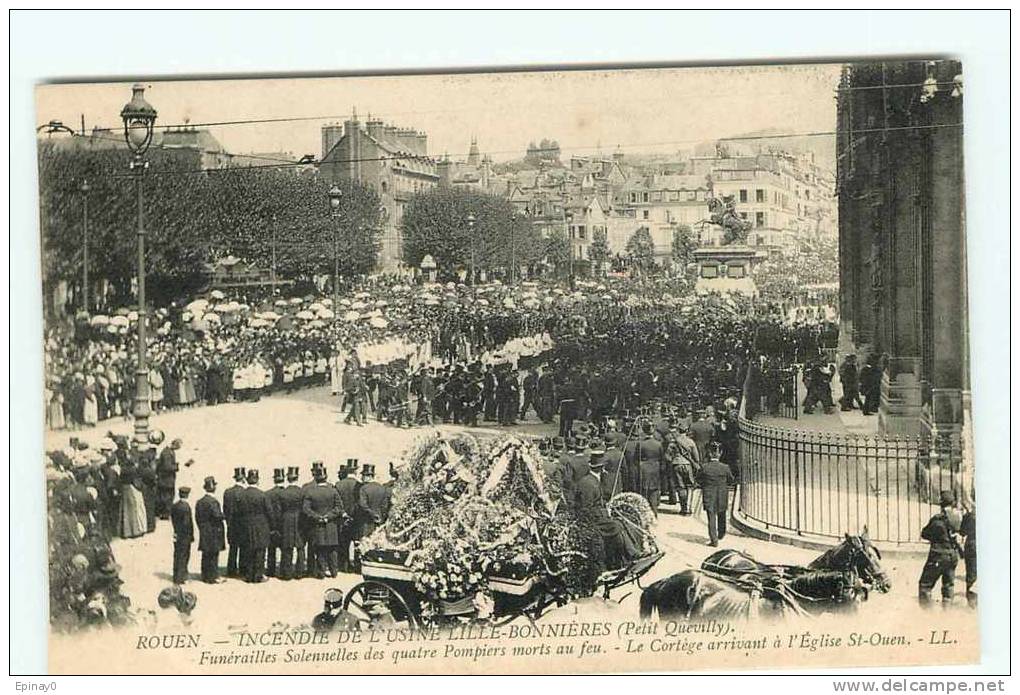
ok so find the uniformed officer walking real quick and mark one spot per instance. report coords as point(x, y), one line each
point(943, 553)
point(347, 486)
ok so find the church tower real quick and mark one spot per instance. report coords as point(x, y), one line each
point(473, 156)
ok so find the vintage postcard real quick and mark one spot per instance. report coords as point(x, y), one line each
point(537, 371)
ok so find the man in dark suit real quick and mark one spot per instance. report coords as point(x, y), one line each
point(702, 431)
point(254, 511)
point(235, 527)
point(291, 500)
point(942, 533)
point(631, 475)
point(274, 499)
point(426, 394)
point(184, 535)
point(612, 471)
point(322, 508)
point(347, 486)
point(590, 505)
point(209, 518)
point(373, 502)
point(649, 456)
point(716, 479)
point(166, 478)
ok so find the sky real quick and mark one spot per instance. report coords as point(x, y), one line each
point(636, 110)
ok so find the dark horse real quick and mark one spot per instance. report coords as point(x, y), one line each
point(733, 585)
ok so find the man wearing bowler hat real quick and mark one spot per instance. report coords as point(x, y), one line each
point(235, 524)
point(209, 517)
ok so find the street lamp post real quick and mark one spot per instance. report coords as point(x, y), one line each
point(471, 236)
point(513, 245)
point(84, 190)
point(139, 118)
point(335, 197)
point(569, 217)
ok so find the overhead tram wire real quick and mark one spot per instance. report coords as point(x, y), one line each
point(286, 164)
point(673, 96)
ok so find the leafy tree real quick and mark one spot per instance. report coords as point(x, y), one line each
point(436, 222)
point(598, 252)
point(557, 249)
point(683, 245)
point(640, 249)
point(192, 218)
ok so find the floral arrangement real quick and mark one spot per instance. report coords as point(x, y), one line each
point(464, 513)
point(633, 511)
point(575, 552)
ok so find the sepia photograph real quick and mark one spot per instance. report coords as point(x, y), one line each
point(557, 369)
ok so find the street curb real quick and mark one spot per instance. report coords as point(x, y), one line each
point(755, 529)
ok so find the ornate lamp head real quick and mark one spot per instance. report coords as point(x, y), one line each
point(139, 118)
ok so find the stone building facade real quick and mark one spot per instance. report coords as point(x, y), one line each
point(903, 284)
point(392, 161)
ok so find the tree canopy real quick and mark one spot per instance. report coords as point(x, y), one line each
point(192, 218)
point(436, 222)
point(640, 249)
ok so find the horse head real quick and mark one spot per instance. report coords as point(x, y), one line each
point(859, 555)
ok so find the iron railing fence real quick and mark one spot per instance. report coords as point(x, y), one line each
point(828, 484)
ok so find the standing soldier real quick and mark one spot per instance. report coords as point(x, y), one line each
point(184, 535)
point(347, 486)
point(322, 507)
point(274, 499)
point(254, 510)
point(235, 525)
point(291, 500)
point(943, 553)
point(209, 518)
point(685, 466)
point(530, 389)
point(716, 479)
point(649, 456)
point(848, 378)
point(632, 466)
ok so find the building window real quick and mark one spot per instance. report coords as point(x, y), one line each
point(709, 271)
point(759, 219)
point(644, 214)
point(743, 195)
point(735, 272)
point(743, 215)
point(633, 197)
point(644, 197)
point(759, 195)
point(807, 194)
point(580, 231)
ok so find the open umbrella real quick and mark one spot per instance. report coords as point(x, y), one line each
point(211, 317)
point(304, 314)
point(281, 302)
point(100, 320)
point(316, 324)
point(119, 321)
point(324, 314)
point(378, 322)
point(295, 301)
point(216, 294)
